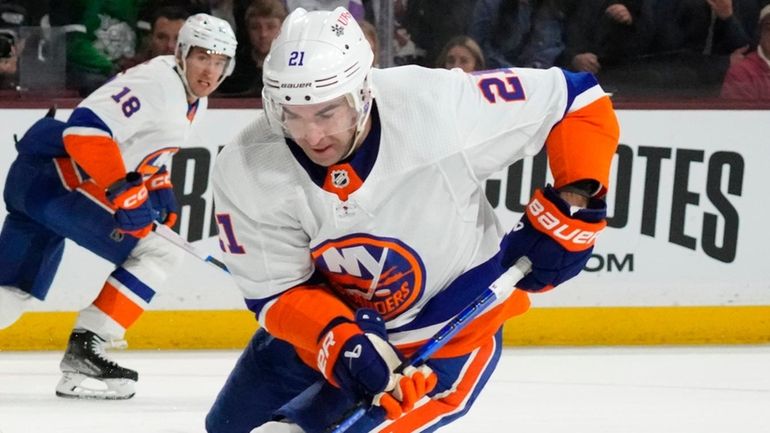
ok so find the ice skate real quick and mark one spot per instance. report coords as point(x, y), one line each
point(87, 372)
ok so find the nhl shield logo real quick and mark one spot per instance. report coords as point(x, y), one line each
point(340, 178)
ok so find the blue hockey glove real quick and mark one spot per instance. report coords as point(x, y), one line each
point(162, 197)
point(358, 357)
point(557, 240)
point(134, 214)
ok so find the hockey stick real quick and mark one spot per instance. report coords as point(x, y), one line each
point(166, 233)
point(501, 288)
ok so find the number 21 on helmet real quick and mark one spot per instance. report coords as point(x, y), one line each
point(317, 57)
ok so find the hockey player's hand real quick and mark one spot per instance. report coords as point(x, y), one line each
point(134, 214)
point(558, 239)
point(162, 197)
point(357, 357)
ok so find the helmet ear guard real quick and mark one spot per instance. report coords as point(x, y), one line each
point(210, 33)
point(317, 57)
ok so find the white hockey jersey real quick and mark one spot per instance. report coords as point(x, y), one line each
point(419, 220)
point(144, 111)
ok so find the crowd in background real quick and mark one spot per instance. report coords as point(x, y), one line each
point(637, 48)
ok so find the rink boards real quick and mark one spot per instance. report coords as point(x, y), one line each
point(682, 261)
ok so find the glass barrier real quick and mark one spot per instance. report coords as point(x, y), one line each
point(637, 54)
point(33, 60)
point(42, 64)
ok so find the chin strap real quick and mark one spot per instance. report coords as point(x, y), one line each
point(182, 76)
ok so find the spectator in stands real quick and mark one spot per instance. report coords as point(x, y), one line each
point(165, 29)
point(602, 34)
point(406, 52)
point(525, 33)
point(705, 26)
point(430, 24)
point(694, 42)
point(162, 38)
point(12, 17)
point(263, 22)
point(355, 7)
point(461, 52)
point(749, 79)
point(102, 35)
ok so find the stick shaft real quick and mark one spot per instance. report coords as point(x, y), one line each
point(501, 288)
point(166, 233)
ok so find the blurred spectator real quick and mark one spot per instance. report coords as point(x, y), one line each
point(162, 38)
point(661, 48)
point(602, 34)
point(371, 35)
point(461, 52)
point(165, 29)
point(12, 18)
point(405, 50)
point(432, 23)
point(526, 33)
point(694, 43)
point(149, 8)
point(705, 26)
point(355, 7)
point(749, 79)
point(263, 22)
point(102, 34)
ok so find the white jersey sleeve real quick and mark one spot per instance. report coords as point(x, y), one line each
point(265, 244)
point(143, 110)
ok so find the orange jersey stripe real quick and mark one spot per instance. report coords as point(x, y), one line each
point(71, 180)
point(285, 321)
point(116, 305)
point(95, 193)
point(68, 173)
point(99, 156)
point(479, 330)
point(146, 169)
point(583, 144)
point(299, 315)
point(434, 409)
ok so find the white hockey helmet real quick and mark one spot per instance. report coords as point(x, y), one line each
point(210, 33)
point(317, 57)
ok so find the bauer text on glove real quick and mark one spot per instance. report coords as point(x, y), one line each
point(557, 238)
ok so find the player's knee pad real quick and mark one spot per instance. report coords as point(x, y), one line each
point(154, 259)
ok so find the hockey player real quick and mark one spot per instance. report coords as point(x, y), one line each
point(101, 180)
point(353, 219)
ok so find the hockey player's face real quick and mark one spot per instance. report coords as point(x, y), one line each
point(324, 131)
point(204, 68)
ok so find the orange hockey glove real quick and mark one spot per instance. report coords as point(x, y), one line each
point(162, 197)
point(358, 357)
point(134, 214)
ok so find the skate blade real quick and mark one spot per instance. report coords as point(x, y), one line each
point(75, 385)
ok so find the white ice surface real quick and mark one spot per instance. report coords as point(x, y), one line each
point(572, 390)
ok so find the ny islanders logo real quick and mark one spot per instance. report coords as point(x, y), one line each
point(379, 273)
